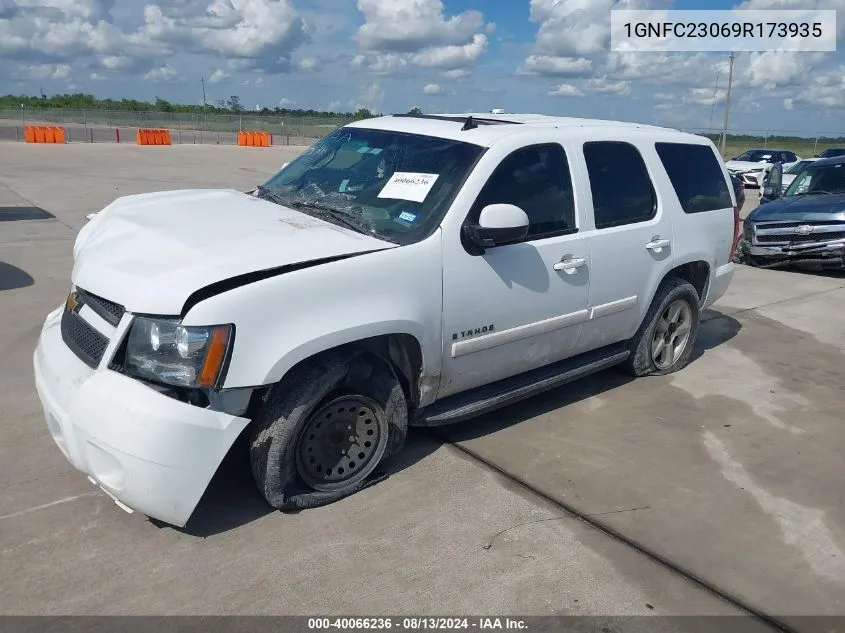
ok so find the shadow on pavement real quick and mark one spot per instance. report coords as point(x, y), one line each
point(232, 499)
point(12, 277)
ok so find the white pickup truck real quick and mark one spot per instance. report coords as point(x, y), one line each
point(403, 270)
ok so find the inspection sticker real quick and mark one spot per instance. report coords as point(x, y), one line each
point(408, 216)
point(406, 185)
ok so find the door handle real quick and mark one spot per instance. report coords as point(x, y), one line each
point(570, 264)
point(657, 244)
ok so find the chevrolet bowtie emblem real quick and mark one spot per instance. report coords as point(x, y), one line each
point(804, 229)
point(72, 303)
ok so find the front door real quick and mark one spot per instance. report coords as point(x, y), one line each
point(517, 306)
point(631, 242)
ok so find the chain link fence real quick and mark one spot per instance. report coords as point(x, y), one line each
point(804, 144)
point(102, 126)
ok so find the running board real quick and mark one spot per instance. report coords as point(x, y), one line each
point(502, 393)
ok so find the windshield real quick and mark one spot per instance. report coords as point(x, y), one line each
point(833, 152)
point(798, 167)
point(755, 156)
point(819, 179)
point(393, 185)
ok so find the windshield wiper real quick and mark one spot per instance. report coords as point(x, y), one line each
point(817, 192)
point(349, 220)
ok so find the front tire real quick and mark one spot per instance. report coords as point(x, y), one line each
point(666, 338)
point(325, 430)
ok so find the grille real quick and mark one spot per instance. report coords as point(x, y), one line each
point(83, 340)
point(109, 310)
point(800, 239)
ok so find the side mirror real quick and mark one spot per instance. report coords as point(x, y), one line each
point(498, 224)
point(773, 183)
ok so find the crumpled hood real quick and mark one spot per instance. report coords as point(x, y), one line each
point(819, 208)
point(150, 252)
point(744, 165)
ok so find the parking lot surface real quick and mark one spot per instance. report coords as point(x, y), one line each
point(705, 492)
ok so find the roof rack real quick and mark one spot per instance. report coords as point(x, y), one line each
point(457, 119)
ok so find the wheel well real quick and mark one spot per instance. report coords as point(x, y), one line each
point(697, 273)
point(402, 352)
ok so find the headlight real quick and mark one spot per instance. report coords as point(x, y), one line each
point(755, 170)
point(168, 352)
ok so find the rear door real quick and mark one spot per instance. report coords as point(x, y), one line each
point(704, 226)
point(631, 241)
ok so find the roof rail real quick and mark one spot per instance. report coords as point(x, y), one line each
point(475, 121)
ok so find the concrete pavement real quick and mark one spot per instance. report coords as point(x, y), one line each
point(730, 469)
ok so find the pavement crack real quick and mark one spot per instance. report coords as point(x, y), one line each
point(769, 620)
point(489, 543)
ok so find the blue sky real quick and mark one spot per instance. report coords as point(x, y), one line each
point(549, 56)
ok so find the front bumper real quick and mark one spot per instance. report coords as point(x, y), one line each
point(149, 452)
point(749, 178)
point(830, 254)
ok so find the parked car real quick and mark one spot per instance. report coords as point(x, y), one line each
point(790, 174)
point(409, 269)
point(752, 166)
point(739, 192)
point(832, 152)
point(805, 225)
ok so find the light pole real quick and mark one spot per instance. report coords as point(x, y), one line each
point(727, 104)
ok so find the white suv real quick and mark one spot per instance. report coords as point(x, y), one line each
point(403, 270)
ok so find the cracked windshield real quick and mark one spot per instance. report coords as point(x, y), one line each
point(392, 185)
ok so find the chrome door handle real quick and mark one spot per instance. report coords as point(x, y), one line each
point(657, 244)
point(570, 265)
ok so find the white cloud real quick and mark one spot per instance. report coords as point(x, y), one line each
point(48, 71)
point(578, 28)
point(284, 102)
point(456, 73)
point(334, 106)
point(95, 76)
point(370, 98)
point(554, 65)
point(704, 96)
point(602, 85)
point(163, 74)
point(217, 76)
point(452, 56)
point(264, 32)
point(400, 33)
point(433, 89)
point(826, 90)
point(308, 64)
point(789, 104)
point(565, 90)
point(407, 26)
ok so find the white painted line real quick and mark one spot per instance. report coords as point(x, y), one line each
point(48, 505)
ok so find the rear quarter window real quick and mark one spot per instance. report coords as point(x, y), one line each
point(696, 176)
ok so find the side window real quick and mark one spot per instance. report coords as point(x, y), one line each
point(536, 179)
point(790, 157)
point(622, 189)
point(696, 176)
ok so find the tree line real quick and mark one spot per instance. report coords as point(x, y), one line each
point(232, 105)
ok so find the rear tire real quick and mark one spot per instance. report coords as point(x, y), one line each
point(666, 338)
point(326, 429)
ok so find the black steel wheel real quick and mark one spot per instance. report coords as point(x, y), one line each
point(342, 443)
point(325, 429)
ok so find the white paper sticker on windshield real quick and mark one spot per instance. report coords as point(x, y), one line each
point(406, 185)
